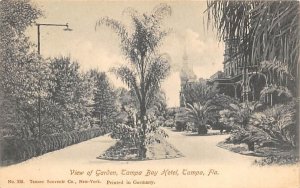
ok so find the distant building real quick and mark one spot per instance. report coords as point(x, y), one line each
point(187, 78)
point(238, 79)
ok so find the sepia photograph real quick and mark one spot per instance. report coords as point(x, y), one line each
point(160, 94)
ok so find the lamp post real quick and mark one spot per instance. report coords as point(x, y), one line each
point(39, 52)
point(55, 25)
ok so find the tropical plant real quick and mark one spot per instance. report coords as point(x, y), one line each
point(278, 125)
point(238, 116)
point(199, 92)
point(273, 127)
point(266, 30)
point(202, 113)
point(281, 84)
point(146, 68)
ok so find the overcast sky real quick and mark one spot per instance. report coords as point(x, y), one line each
point(100, 49)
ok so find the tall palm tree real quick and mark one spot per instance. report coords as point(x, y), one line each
point(147, 68)
point(267, 30)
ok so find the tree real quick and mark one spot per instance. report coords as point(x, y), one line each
point(199, 92)
point(20, 68)
point(267, 30)
point(72, 92)
point(238, 116)
point(207, 111)
point(146, 67)
point(104, 100)
point(268, 35)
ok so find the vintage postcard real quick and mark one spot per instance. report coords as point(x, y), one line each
point(149, 94)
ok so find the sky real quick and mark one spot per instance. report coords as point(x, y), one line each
point(100, 48)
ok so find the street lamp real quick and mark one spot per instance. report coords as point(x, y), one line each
point(55, 25)
point(39, 52)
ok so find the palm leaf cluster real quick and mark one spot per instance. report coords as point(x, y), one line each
point(279, 79)
point(266, 30)
point(276, 125)
point(200, 113)
point(199, 92)
point(147, 68)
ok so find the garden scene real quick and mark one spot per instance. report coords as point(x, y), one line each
point(130, 85)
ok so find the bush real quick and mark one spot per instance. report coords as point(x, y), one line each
point(169, 123)
point(131, 138)
point(14, 150)
point(277, 124)
point(180, 125)
point(273, 127)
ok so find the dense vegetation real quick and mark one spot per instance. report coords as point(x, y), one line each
point(45, 98)
point(268, 40)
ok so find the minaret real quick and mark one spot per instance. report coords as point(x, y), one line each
point(186, 76)
point(185, 67)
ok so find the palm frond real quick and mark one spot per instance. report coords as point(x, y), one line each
point(129, 78)
point(265, 29)
point(161, 11)
point(120, 30)
point(158, 70)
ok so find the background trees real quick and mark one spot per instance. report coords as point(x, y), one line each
point(72, 91)
point(146, 68)
point(104, 99)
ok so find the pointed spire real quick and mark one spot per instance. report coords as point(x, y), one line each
point(185, 56)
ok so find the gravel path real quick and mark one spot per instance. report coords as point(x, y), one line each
point(203, 149)
point(200, 154)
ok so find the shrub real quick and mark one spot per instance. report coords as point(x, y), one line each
point(277, 126)
point(169, 123)
point(14, 150)
point(273, 127)
point(131, 137)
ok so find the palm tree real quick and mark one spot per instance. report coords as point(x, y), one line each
point(268, 35)
point(239, 116)
point(276, 125)
point(147, 68)
point(201, 113)
point(267, 30)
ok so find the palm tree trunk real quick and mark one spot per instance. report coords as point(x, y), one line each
point(143, 148)
point(202, 129)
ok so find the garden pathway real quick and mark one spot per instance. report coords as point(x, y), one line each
point(201, 153)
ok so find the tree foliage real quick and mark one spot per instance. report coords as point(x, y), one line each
point(201, 113)
point(146, 68)
point(267, 30)
point(20, 69)
point(104, 99)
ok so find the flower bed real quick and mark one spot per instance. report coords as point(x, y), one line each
point(124, 151)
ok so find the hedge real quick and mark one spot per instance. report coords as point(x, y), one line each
point(14, 150)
